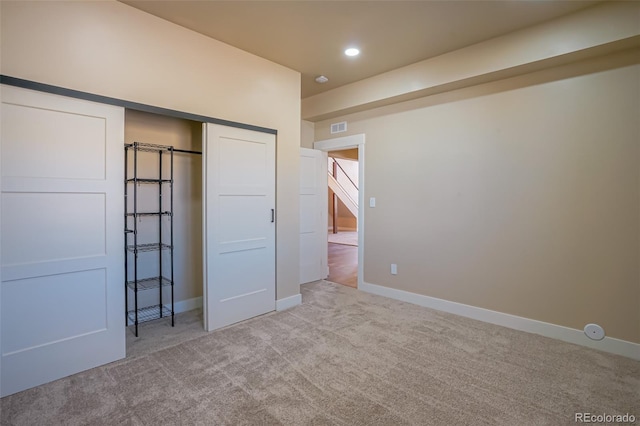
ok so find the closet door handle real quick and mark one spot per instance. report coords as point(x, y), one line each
point(273, 215)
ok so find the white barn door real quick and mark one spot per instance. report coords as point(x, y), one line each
point(313, 215)
point(239, 224)
point(61, 230)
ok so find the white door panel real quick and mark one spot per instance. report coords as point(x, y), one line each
point(313, 215)
point(61, 224)
point(88, 289)
point(34, 137)
point(239, 244)
point(50, 216)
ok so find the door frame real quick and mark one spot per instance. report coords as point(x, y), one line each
point(338, 144)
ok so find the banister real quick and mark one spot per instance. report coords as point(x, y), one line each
point(345, 173)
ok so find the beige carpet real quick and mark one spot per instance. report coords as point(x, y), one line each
point(157, 335)
point(343, 357)
point(349, 238)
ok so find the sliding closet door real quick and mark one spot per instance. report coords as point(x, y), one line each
point(239, 224)
point(61, 222)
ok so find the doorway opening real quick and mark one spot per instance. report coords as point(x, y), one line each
point(343, 188)
point(345, 258)
point(186, 267)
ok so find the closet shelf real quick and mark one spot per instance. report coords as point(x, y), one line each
point(148, 247)
point(149, 283)
point(141, 180)
point(148, 147)
point(149, 313)
point(134, 198)
point(149, 214)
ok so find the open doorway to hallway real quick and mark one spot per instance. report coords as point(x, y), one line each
point(342, 238)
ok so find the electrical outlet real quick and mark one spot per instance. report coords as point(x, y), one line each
point(394, 269)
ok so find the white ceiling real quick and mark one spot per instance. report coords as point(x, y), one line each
point(310, 36)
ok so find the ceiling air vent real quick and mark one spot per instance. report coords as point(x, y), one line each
point(339, 127)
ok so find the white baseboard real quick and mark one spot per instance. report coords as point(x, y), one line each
point(288, 302)
point(571, 335)
point(187, 305)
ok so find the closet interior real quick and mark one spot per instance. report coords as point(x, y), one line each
point(163, 217)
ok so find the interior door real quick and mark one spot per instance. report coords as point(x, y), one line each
point(61, 222)
point(313, 215)
point(239, 224)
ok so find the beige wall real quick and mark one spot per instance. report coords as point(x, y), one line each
point(519, 196)
point(307, 130)
point(187, 191)
point(111, 49)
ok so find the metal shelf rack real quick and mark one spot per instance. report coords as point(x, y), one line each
point(163, 244)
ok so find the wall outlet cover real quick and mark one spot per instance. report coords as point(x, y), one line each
point(594, 331)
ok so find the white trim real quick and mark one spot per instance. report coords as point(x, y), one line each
point(336, 144)
point(566, 334)
point(1, 327)
point(205, 243)
point(288, 302)
point(346, 142)
point(186, 305)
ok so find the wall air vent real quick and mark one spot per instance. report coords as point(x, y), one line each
point(339, 127)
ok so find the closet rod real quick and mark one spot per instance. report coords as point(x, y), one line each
point(186, 151)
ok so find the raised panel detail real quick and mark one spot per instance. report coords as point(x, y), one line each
point(44, 143)
point(251, 155)
point(312, 253)
point(250, 216)
point(42, 227)
point(233, 271)
point(309, 211)
point(308, 166)
point(39, 311)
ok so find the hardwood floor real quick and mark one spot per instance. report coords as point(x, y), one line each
point(343, 264)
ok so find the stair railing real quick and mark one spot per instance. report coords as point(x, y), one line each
point(343, 172)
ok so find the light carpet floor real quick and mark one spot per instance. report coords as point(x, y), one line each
point(156, 335)
point(342, 357)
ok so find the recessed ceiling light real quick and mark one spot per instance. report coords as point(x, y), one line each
point(321, 79)
point(352, 51)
